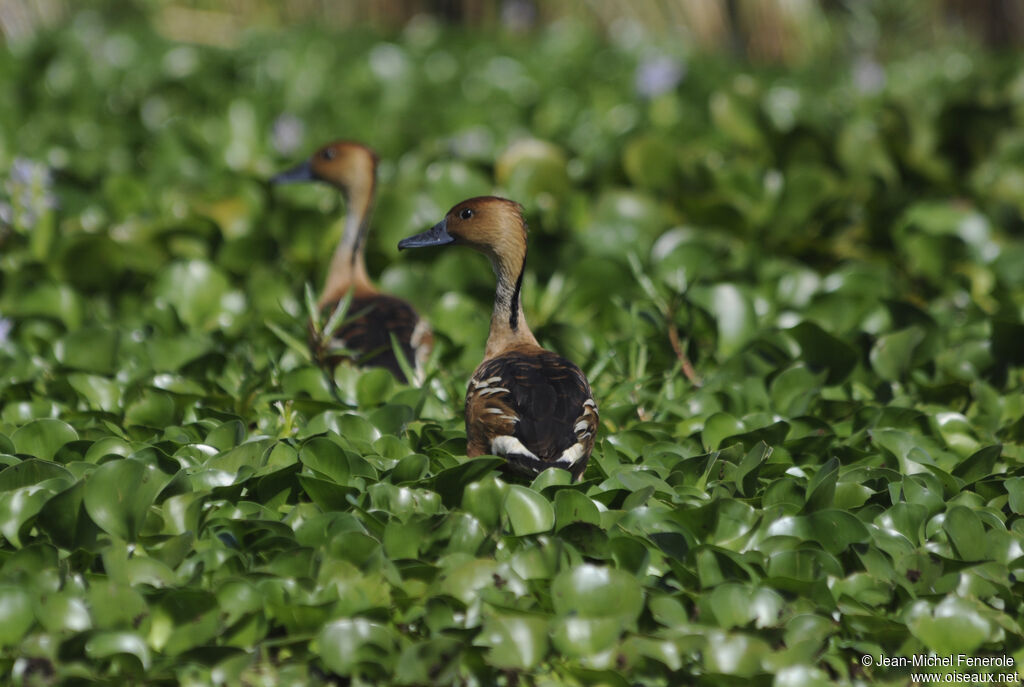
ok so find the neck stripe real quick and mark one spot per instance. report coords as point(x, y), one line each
point(513, 318)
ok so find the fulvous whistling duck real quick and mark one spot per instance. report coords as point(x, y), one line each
point(372, 316)
point(524, 403)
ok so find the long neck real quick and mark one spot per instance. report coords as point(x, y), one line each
point(508, 325)
point(348, 266)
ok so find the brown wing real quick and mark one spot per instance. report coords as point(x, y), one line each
point(368, 334)
point(535, 408)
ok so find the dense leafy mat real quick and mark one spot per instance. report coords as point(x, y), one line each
point(183, 500)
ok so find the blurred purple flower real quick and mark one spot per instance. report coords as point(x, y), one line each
point(868, 75)
point(29, 190)
point(289, 131)
point(5, 328)
point(657, 75)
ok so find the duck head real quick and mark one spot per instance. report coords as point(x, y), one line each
point(491, 225)
point(343, 164)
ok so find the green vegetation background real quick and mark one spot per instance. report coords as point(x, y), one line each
point(838, 249)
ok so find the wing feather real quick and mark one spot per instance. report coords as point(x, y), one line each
point(541, 400)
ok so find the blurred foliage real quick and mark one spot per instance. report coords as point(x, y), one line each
point(840, 253)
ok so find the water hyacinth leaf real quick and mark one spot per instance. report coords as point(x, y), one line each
point(43, 438)
point(16, 615)
point(330, 496)
point(485, 499)
point(374, 387)
point(734, 654)
point(347, 644)
point(118, 495)
point(527, 511)
point(718, 427)
point(821, 350)
point(108, 644)
point(953, 626)
point(327, 458)
point(821, 488)
point(30, 472)
point(966, 532)
point(735, 605)
point(64, 518)
point(746, 472)
point(1015, 492)
point(572, 506)
point(577, 637)
point(18, 508)
point(836, 530)
point(978, 465)
point(734, 314)
point(64, 612)
point(199, 292)
point(517, 642)
point(90, 349)
point(892, 356)
point(151, 408)
point(596, 592)
point(450, 483)
point(411, 468)
point(530, 167)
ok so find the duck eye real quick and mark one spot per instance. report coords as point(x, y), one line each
point(466, 213)
point(328, 153)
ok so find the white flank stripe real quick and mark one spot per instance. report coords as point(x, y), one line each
point(570, 456)
point(504, 445)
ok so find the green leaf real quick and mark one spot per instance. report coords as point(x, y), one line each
point(346, 645)
point(822, 487)
point(953, 626)
point(527, 511)
point(734, 654)
point(64, 519)
point(43, 438)
point(485, 499)
point(518, 642)
point(978, 465)
point(200, 293)
point(118, 495)
point(16, 616)
point(452, 482)
point(572, 506)
point(892, 356)
point(735, 605)
point(821, 350)
point(966, 532)
point(152, 408)
point(31, 472)
point(374, 387)
point(718, 427)
point(592, 591)
point(109, 644)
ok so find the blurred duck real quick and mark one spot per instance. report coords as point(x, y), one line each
point(524, 403)
point(372, 316)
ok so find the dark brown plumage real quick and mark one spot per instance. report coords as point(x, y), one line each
point(367, 334)
point(372, 317)
point(524, 403)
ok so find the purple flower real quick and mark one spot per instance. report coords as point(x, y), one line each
point(29, 190)
point(657, 75)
